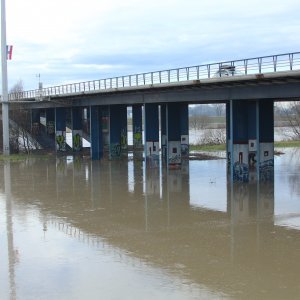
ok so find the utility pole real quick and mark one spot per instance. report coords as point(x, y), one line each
point(4, 98)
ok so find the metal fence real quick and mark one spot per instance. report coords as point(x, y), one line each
point(257, 65)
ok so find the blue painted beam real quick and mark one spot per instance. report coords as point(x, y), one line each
point(95, 114)
point(174, 133)
point(117, 130)
point(151, 131)
point(137, 126)
point(163, 125)
point(266, 140)
point(60, 128)
point(77, 128)
point(50, 121)
point(35, 121)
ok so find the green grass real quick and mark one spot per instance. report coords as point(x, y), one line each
point(285, 144)
point(222, 147)
point(22, 156)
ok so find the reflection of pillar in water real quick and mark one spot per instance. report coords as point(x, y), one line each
point(250, 204)
point(95, 183)
point(10, 234)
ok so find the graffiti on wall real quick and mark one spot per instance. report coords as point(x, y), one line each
point(77, 140)
point(60, 140)
point(164, 146)
point(115, 150)
point(174, 153)
point(137, 137)
point(124, 138)
point(50, 127)
point(266, 164)
point(185, 145)
point(240, 172)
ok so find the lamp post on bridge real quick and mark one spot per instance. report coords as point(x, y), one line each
point(4, 98)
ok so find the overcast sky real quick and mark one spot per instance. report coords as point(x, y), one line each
point(75, 40)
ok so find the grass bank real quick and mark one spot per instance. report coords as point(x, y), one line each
point(222, 147)
point(23, 156)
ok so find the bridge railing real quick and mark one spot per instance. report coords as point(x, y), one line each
point(257, 65)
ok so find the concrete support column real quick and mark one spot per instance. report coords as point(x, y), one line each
point(76, 128)
point(117, 130)
point(173, 117)
point(239, 141)
point(95, 114)
point(151, 132)
point(163, 128)
point(251, 140)
point(266, 140)
point(137, 127)
point(124, 131)
point(228, 135)
point(50, 121)
point(184, 129)
point(35, 122)
point(60, 129)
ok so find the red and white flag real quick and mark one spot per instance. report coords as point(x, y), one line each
point(9, 50)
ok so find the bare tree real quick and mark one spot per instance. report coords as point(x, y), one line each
point(290, 112)
point(20, 125)
point(220, 109)
point(198, 122)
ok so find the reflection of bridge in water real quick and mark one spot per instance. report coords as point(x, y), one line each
point(153, 222)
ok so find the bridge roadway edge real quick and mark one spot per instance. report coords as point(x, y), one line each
point(281, 86)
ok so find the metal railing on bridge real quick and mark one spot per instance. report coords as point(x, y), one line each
point(257, 65)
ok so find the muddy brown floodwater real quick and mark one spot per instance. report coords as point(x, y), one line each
point(77, 229)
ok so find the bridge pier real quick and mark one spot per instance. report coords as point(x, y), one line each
point(117, 130)
point(76, 128)
point(266, 140)
point(163, 128)
point(174, 132)
point(60, 129)
point(50, 121)
point(184, 129)
point(250, 136)
point(137, 127)
point(35, 122)
point(151, 133)
point(96, 132)
point(173, 126)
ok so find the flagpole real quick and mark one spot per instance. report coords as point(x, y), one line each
point(5, 116)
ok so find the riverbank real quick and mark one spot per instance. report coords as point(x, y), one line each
point(197, 152)
point(222, 147)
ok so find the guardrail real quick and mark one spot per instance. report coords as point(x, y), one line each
point(257, 65)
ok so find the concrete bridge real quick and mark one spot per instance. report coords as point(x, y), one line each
point(159, 102)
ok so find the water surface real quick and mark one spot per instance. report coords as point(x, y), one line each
point(75, 229)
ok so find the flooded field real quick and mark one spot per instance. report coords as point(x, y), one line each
point(75, 229)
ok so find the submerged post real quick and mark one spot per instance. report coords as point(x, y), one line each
point(4, 100)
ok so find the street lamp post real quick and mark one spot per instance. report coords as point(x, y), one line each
point(4, 98)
